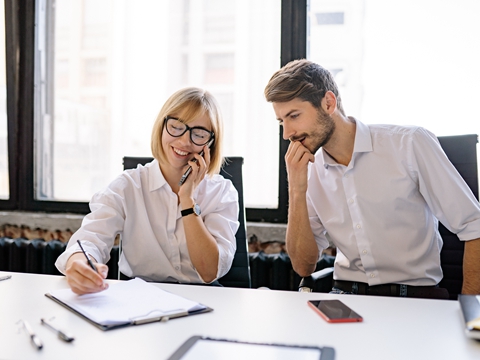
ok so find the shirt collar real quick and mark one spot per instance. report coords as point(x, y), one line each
point(363, 143)
point(155, 177)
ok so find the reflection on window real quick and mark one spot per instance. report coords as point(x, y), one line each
point(61, 74)
point(4, 180)
point(219, 68)
point(96, 24)
point(94, 72)
point(330, 18)
point(116, 62)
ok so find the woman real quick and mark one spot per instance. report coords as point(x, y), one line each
point(164, 235)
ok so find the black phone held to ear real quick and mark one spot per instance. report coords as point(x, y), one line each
point(189, 170)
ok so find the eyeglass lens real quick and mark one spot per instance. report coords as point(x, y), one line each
point(198, 136)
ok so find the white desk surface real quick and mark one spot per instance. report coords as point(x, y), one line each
point(393, 328)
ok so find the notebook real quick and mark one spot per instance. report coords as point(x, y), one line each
point(126, 303)
point(470, 305)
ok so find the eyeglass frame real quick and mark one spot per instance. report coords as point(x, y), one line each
point(188, 128)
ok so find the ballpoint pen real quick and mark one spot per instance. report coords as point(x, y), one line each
point(62, 335)
point(33, 337)
point(6, 277)
point(88, 259)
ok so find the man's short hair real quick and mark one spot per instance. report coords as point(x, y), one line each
point(302, 79)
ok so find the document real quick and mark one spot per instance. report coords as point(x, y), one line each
point(125, 303)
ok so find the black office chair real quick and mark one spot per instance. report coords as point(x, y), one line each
point(462, 153)
point(239, 273)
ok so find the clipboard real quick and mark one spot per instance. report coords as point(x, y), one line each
point(470, 305)
point(200, 347)
point(133, 302)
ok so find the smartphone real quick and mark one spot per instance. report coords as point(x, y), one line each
point(189, 170)
point(334, 311)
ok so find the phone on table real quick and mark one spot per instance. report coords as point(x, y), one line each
point(189, 170)
point(334, 311)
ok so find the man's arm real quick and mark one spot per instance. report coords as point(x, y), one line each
point(301, 245)
point(471, 267)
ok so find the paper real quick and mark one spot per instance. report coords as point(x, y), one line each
point(126, 302)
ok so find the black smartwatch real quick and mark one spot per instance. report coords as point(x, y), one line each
point(194, 210)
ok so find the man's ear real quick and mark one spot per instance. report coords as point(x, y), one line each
point(329, 102)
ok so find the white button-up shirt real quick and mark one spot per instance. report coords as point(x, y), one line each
point(381, 210)
point(141, 207)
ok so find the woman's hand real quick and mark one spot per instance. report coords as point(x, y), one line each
point(82, 279)
point(199, 169)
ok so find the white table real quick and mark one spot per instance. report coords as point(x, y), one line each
point(393, 328)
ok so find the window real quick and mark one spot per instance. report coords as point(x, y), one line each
point(117, 62)
point(4, 180)
point(105, 67)
point(403, 62)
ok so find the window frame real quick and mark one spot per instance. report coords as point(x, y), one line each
point(20, 21)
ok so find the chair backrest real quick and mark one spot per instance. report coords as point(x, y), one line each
point(462, 153)
point(239, 273)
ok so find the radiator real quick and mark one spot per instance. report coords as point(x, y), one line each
point(38, 256)
point(275, 270)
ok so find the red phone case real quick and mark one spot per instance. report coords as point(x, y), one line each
point(339, 320)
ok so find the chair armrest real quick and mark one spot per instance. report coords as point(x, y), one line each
point(308, 284)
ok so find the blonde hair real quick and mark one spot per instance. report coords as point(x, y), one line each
point(188, 104)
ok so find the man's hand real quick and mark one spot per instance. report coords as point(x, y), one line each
point(82, 279)
point(296, 160)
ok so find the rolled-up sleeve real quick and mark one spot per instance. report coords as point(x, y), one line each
point(221, 220)
point(448, 196)
point(99, 228)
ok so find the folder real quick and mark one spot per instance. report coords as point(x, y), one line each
point(127, 303)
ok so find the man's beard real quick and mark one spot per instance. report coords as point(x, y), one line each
point(321, 135)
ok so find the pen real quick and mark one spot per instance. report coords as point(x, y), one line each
point(88, 259)
point(184, 176)
point(33, 337)
point(62, 335)
point(6, 277)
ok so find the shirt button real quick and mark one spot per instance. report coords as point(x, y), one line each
point(177, 267)
point(358, 226)
point(372, 275)
point(351, 201)
point(364, 252)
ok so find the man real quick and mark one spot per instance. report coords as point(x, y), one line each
point(378, 191)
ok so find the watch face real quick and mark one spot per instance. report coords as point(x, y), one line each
point(196, 209)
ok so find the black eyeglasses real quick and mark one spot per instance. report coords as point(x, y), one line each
point(199, 135)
